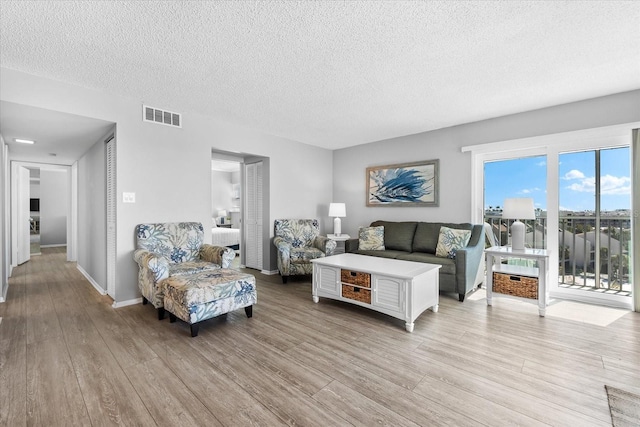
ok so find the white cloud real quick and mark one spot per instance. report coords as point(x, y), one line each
point(609, 185)
point(530, 190)
point(614, 185)
point(542, 163)
point(574, 174)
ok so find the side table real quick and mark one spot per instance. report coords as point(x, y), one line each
point(495, 255)
point(339, 242)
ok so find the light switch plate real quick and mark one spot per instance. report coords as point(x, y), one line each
point(128, 197)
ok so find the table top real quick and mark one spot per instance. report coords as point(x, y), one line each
point(339, 238)
point(377, 265)
point(525, 253)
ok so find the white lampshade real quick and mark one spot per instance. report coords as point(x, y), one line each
point(337, 210)
point(518, 208)
point(222, 212)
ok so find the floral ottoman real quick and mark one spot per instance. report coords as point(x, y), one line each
point(208, 294)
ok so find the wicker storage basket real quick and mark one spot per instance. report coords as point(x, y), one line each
point(519, 286)
point(355, 293)
point(355, 278)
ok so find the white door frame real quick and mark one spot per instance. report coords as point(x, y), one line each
point(73, 201)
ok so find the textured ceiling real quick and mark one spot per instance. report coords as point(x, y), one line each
point(332, 74)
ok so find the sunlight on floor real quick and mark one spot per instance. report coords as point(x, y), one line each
point(568, 310)
point(586, 313)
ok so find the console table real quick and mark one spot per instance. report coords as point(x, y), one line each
point(401, 289)
point(495, 255)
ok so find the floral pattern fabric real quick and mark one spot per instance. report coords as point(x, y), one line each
point(450, 240)
point(173, 249)
point(371, 238)
point(204, 295)
point(298, 241)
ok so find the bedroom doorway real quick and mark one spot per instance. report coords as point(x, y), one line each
point(226, 203)
point(233, 206)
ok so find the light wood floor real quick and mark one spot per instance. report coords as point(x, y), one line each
point(67, 358)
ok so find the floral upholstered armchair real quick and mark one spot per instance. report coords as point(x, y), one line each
point(298, 242)
point(173, 249)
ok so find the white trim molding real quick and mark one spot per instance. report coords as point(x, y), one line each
point(91, 280)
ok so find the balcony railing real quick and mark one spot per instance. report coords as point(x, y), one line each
point(581, 266)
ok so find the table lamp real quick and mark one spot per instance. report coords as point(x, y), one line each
point(518, 208)
point(337, 210)
point(222, 214)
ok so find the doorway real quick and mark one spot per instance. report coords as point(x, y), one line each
point(47, 214)
point(240, 206)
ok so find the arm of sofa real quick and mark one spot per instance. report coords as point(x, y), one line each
point(158, 265)
point(351, 245)
point(326, 245)
point(220, 255)
point(468, 262)
point(284, 254)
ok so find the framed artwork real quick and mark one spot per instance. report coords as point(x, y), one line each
point(406, 184)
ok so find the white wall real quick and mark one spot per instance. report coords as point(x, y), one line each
point(5, 238)
point(92, 213)
point(54, 203)
point(170, 169)
point(455, 167)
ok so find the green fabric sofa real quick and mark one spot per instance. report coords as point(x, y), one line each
point(417, 241)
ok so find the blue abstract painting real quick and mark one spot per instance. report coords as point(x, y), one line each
point(408, 184)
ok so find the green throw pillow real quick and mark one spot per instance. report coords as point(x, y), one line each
point(371, 238)
point(450, 240)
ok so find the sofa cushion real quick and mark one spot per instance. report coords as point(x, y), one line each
point(427, 234)
point(397, 235)
point(450, 240)
point(304, 255)
point(426, 237)
point(371, 238)
point(300, 233)
point(382, 254)
point(191, 267)
point(448, 265)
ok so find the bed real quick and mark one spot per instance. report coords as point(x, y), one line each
point(225, 237)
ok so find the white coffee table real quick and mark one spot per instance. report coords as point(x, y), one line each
point(401, 289)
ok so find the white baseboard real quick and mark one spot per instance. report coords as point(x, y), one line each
point(90, 279)
point(269, 272)
point(53, 246)
point(126, 303)
point(3, 296)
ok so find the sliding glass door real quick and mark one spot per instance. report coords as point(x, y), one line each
point(595, 221)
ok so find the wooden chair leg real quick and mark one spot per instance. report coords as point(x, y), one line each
point(161, 313)
point(144, 301)
point(194, 330)
point(284, 279)
point(172, 318)
point(249, 311)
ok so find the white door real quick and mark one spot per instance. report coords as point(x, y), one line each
point(253, 215)
point(24, 223)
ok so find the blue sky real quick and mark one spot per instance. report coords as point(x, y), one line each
point(527, 177)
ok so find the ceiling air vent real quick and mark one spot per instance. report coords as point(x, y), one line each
point(162, 117)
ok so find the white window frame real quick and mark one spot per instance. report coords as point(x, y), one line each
point(552, 146)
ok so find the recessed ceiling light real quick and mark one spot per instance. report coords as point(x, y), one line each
point(53, 154)
point(24, 141)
